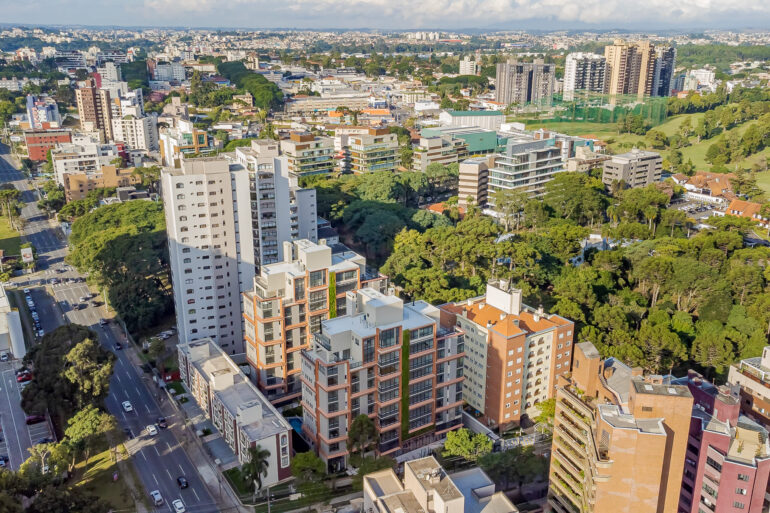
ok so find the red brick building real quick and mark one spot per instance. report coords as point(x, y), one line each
point(40, 141)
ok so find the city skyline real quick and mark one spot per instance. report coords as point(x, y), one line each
point(373, 14)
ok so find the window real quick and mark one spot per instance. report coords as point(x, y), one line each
point(740, 491)
point(743, 477)
point(738, 505)
point(317, 278)
point(183, 218)
point(180, 186)
point(180, 196)
point(713, 464)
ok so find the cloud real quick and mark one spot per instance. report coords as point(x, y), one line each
point(435, 13)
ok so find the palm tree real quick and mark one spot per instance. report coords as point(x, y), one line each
point(256, 468)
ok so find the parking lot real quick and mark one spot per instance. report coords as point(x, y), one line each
point(695, 209)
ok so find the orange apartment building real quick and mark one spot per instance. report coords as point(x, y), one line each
point(287, 305)
point(619, 440)
point(78, 185)
point(514, 354)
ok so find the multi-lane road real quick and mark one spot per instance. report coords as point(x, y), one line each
point(159, 459)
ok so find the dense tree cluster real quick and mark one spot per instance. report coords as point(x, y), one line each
point(266, 94)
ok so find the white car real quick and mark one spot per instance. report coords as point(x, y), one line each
point(152, 430)
point(26, 291)
point(4, 356)
point(157, 498)
point(127, 406)
point(178, 506)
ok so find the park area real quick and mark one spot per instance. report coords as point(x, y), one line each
point(10, 239)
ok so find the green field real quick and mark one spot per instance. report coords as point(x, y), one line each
point(10, 240)
point(763, 181)
point(97, 479)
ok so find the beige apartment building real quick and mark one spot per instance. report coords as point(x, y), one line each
point(619, 440)
point(630, 68)
point(287, 305)
point(375, 151)
point(637, 168)
point(514, 354)
point(474, 181)
point(94, 109)
point(78, 185)
point(392, 361)
point(309, 154)
point(440, 149)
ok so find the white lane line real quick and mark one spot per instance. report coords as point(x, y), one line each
point(124, 415)
point(198, 499)
point(143, 456)
point(155, 478)
point(169, 474)
point(180, 469)
point(118, 378)
point(138, 392)
point(156, 450)
point(169, 448)
point(148, 409)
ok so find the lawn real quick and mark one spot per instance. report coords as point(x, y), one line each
point(240, 486)
point(763, 181)
point(97, 479)
point(10, 240)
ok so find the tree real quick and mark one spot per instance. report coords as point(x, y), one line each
point(371, 464)
point(156, 350)
point(547, 411)
point(256, 467)
point(308, 467)
point(86, 427)
point(464, 444)
point(52, 499)
point(510, 203)
point(362, 434)
point(89, 368)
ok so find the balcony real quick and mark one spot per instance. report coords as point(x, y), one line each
point(388, 446)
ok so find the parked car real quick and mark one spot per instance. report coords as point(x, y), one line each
point(27, 291)
point(21, 378)
point(127, 406)
point(182, 482)
point(3, 461)
point(162, 422)
point(178, 506)
point(40, 333)
point(157, 498)
point(128, 433)
point(35, 419)
point(152, 430)
point(45, 440)
point(5, 356)
point(118, 346)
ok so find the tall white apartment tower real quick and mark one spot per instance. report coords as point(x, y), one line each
point(584, 72)
point(222, 215)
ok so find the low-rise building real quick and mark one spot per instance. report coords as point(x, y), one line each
point(427, 488)
point(238, 410)
point(637, 168)
point(309, 154)
point(749, 210)
point(42, 112)
point(438, 150)
point(585, 160)
point(83, 155)
point(489, 119)
point(392, 361)
point(473, 182)
point(40, 142)
point(78, 185)
point(183, 139)
point(514, 354)
point(377, 150)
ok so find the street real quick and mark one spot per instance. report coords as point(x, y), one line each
point(158, 459)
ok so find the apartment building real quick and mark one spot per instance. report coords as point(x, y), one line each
point(139, 133)
point(469, 66)
point(376, 150)
point(750, 379)
point(665, 66)
point(619, 440)
point(42, 112)
point(94, 109)
point(78, 185)
point(524, 82)
point(85, 154)
point(428, 488)
point(309, 154)
point(584, 72)
point(183, 139)
point(727, 463)
point(473, 181)
point(287, 305)
point(387, 359)
point(476, 119)
point(637, 168)
point(315, 105)
point(236, 407)
point(630, 68)
point(443, 150)
point(39, 142)
point(226, 216)
point(169, 71)
point(525, 164)
point(513, 354)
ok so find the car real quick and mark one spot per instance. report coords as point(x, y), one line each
point(61, 270)
point(127, 406)
point(45, 440)
point(102, 322)
point(152, 430)
point(3, 460)
point(118, 346)
point(40, 333)
point(27, 291)
point(163, 336)
point(162, 423)
point(35, 316)
point(80, 306)
point(5, 356)
point(21, 378)
point(178, 506)
point(55, 281)
point(24, 384)
point(94, 304)
point(156, 497)
point(34, 419)
point(128, 433)
point(83, 299)
point(21, 371)
point(182, 482)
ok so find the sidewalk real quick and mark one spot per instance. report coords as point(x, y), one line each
point(215, 483)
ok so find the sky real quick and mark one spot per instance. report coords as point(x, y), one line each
point(396, 14)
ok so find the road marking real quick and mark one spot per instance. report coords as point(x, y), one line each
point(196, 495)
point(156, 450)
point(138, 392)
point(156, 479)
point(169, 474)
point(169, 448)
point(181, 469)
point(118, 378)
point(148, 408)
point(143, 456)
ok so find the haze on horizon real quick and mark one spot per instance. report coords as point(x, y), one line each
point(395, 14)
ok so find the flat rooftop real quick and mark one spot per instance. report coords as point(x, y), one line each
point(432, 476)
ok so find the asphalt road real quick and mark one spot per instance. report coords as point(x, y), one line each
point(158, 459)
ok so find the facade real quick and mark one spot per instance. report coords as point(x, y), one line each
point(39, 142)
point(236, 408)
point(78, 185)
point(287, 305)
point(665, 64)
point(139, 133)
point(637, 168)
point(183, 139)
point(469, 66)
point(521, 83)
point(226, 216)
point(619, 440)
point(525, 164)
point(94, 109)
point(167, 72)
point(584, 72)
point(750, 379)
point(488, 119)
point(315, 105)
point(514, 354)
point(480, 141)
point(11, 332)
point(392, 361)
point(630, 68)
point(473, 182)
point(376, 150)
point(309, 154)
point(438, 149)
point(83, 155)
point(427, 488)
point(42, 112)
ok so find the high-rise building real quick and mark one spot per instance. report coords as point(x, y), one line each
point(94, 109)
point(619, 440)
point(287, 305)
point(524, 82)
point(665, 62)
point(225, 217)
point(166, 72)
point(525, 164)
point(630, 68)
point(309, 154)
point(473, 182)
point(637, 168)
point(438, 149)
point(469, 66)
point(374, 151)
point(514, 354)
point(392, 361)
point(139, 133)
point(584, 72)
point(183, 139)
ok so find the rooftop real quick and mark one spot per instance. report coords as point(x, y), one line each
point(432, 476)
point(613, 416)
point(467, 113)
